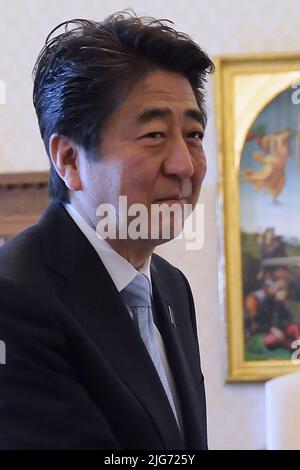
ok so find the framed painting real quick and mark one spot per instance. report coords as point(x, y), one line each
point(23, 197)
point(258, 113)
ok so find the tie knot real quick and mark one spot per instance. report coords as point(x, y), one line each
point(137, 293)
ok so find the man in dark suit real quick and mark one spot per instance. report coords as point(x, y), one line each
point(120, 110)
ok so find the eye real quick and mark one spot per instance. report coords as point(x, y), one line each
point(153, 135)
point(197, 135)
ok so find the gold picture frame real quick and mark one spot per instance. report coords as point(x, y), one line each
point(251, 107)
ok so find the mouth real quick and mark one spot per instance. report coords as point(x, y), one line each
point(172, 199)
point(170, 202)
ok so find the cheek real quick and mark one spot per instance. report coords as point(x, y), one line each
point(203, 166)
point(138, 179)
point(197, 179)
point(200, 170)
point(105, 181)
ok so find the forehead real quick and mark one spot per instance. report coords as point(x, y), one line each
point(163, 86)
point(159, 89)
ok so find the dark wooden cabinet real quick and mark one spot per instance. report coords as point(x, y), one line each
point(23, 198)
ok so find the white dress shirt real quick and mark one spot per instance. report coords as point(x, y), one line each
point(122, 273)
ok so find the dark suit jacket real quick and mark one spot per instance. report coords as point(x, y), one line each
point(77, 374)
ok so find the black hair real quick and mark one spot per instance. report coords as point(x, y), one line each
point(84, 73)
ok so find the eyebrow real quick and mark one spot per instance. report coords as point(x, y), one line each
point(149, 114)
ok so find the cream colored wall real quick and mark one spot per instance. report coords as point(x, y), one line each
point(235, 412)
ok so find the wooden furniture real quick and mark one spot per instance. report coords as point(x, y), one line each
point(23, 197)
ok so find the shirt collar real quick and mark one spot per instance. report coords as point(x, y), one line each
point(119, 269)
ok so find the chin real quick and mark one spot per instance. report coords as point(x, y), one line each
point(156, 242)
point(165, 236)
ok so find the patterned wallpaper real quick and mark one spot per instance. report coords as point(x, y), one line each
point(236, 411)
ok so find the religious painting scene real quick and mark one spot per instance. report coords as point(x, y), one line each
point(270, 231)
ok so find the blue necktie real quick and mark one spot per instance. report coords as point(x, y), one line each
point(137, 297)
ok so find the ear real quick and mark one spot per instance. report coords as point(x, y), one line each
point(65, 158)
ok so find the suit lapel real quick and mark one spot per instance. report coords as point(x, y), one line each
point(94, 301)
point(185, 383)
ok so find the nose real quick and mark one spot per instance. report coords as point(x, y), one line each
point(178, 161)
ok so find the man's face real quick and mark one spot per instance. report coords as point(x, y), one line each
point(151, 148)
